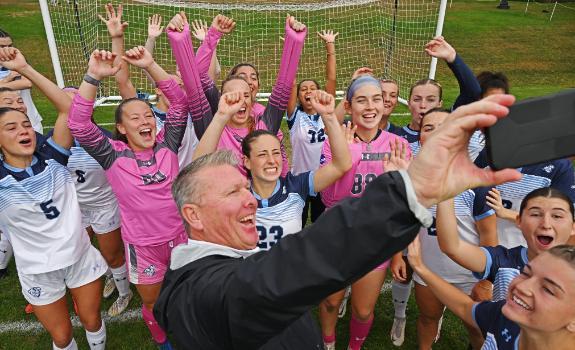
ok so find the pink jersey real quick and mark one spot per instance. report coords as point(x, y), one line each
point(367, 164)
point(202, 91)
point(141, 180)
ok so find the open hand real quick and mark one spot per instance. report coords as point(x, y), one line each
point(398, 158)
point(199, 29)
point(155, 27)
point(328, 36)
point(113, 21)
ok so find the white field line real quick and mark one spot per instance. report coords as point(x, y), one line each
point(129, 315)
point(36, 327)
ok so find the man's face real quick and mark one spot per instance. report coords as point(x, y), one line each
point(12, 99)
point(227, 208)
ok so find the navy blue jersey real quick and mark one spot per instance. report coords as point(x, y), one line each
point(280, 214)
point(499, 332)
point(501, 267)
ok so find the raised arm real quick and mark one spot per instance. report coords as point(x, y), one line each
point(183, 50)
point(458, 302)
point(328, 36)
point(496, 203)
point(13, 59)
point(295, 33)
point(324, 104)
point(206, 57)
point(465, 254)
point(230, 104)
point(177, 114)
point(80, 122)
point(116, 29)
point(155, 29)
point(469, 89)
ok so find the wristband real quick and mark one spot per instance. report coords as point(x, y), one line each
point(93, 81)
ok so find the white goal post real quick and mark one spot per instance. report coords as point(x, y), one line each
point(387, 36)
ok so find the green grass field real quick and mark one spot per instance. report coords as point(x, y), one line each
point(538, 56)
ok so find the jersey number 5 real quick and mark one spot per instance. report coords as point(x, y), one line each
point(51, 212)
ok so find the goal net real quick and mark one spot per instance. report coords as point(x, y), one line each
point(387, 36)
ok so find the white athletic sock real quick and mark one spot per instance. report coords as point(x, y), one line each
point(121, 279)
point(97, 339)
point(5, 251)
point(400, 293)
point(71, 346)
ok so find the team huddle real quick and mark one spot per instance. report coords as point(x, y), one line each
point(496, 256)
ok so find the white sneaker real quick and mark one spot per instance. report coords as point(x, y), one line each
point(398, 331)
point(109, 287)
point(120, 304)
point(329, 346)
point(343, 306)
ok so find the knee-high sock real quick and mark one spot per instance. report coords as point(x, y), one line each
point(358, 332)
point(121, 279)
point(71, 346)
point(400, 293)
point(97, 339)
point(158, 333)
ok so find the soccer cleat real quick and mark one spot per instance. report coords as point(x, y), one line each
point(29, 309)
point(343, 306)
point(329, 346)
point(120, 305)
point(165, 346)
point(398, 331)
point(109, 287)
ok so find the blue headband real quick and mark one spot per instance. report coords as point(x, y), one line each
point(360, 82)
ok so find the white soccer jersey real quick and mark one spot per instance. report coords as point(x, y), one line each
point(189, 142)
point(40, 214)
point(280, 214)
point(92, 187)
point(470, 206)
point(307, 135)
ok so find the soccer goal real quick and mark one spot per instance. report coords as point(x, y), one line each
point(387, 36)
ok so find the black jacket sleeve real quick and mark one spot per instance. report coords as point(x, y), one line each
point(273, 289)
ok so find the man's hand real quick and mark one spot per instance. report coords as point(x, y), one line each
point(443, 169)
point(113, 21)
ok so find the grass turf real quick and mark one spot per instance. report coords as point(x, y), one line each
point(538, 56)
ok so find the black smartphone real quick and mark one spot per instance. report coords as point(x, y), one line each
point(536, 130)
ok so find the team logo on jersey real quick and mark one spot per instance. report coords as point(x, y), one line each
point(35, 292)
point(156, 178)
point(506, 336)
point(377, 156)
point(549, 168)
point(150, 270)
